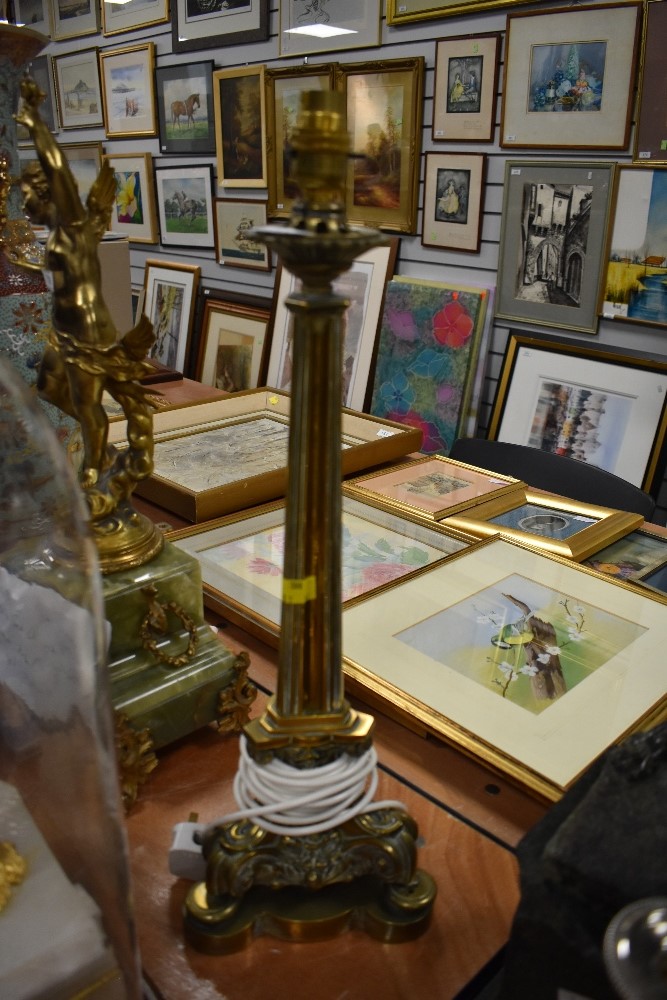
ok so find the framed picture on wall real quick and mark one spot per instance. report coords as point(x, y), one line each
point(453, 188)
point(383, 177)
point(651, 125)
point(233, 340)
point(184, 98)
point(196, 24)
point(133, 14)
point(240, 126)
point(185, 205)
point(553, 242)
point(169, 301)
point(128, 92)
point(357, 26)
point(85, 160)
point(41, 70)
point(407, 11)
point(234, 219)
point(78, 89)
point(283, 94)
point(466, 88)
point(133, 212)
point(70, 20)
point(635, 287)
point(569, 77)
point(34, 14)
point(600, 405)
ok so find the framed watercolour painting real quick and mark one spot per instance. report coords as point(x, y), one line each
point(185, 205)
point(71, 20)
point(383, 178)
point(600, 405)
point(85, 160)
point(283, 95)
point(132, 15)
point(240, 126)
point(234, 219)
point(78, 89)
point(637, 555)
point(635, 287)
point(569, 77)
point(184, 98)
point(169, 301)
point(233, 340)
point(651, 125)
point(133, 212)
point(308, 28)
point(197, 24)
point(127, 89)
point(553, 242)
point(526, 661)
point(466, 88)
point(364, 286)
point(241, 558)
point(453, 188)
point(34, 14)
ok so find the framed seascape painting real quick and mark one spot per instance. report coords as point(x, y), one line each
point(432, 487)
point(127, 89)
point(234, 219)
point(364, 285)
point(283, 95)
point(453, 188)
point(41, 70)
point(307, 28)
point(185, 205)
point(184, 98)
point(133, 213)
point(78, 89)
point(526, 661)
point(240, 126)
point(385, 102)
point(71, 20)
point(241, 558)
point(85, 160)
point(427, 355)
point(466, 88)
point(635, 287)
point(651, 123)
point(568, 528)
point(131, 15)
point(569, 77)
point(34, 14)
point(600, 405)
point(251, 430)
point(553, 242)
point(638, 555)
point(169, 301)
point(200, 24)
point(233, 341)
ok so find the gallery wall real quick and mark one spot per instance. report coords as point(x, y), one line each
point(414, 259)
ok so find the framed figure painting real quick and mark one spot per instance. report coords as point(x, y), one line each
point(466, 88)
point(233, 339)
point(240, 126)
point(453, 201)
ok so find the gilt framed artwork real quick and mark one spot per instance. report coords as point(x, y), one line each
point(78, 89)
point(128, 92)
point(240, 126)
point(130, 15)
point(72, 20)
point(133, 213)
point(232, 344)
point(466, 88)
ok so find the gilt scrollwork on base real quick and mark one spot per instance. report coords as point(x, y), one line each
point(235, 700)
point(135, 756)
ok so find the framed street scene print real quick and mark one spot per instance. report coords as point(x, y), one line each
point(453, 189)
point(466, 88)
point(184, 98)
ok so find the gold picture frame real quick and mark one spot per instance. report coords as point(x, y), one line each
point(133, 15)
point(232, 342)
point(239, 104)
point(128, 91)
point(133, 213)
point(525, 661)
point(564, 527)
point(192, 479)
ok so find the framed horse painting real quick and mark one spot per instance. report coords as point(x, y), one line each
point(185, 205)
point(184, 96)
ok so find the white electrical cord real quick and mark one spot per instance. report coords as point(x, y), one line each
point(300, 801)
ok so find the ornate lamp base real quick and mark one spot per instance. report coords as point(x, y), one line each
point(360, 875)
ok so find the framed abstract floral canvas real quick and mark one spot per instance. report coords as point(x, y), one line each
point(133, 212)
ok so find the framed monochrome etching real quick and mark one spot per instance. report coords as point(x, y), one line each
point(199, 24)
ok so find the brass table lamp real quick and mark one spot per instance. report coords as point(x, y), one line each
point(312, 872)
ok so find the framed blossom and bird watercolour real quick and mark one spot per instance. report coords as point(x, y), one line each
point(133, 211)
point(184, 99)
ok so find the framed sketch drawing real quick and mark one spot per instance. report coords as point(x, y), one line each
point(600, 405)
point(240, 126)
point(169, 301)
point(283, 94)
point(569, 77)
point(185, 205)
point(651, 123)
point(308, 28)
point(184, 98)
point(527, 661)
point(234, 219)
point(553, 242)
point(453, 188)
point(233, 340)
point(133, 213)
point(198, 24)
point(70, 20)
point(133, 14)
point(364, 285)
point(78, 89)
point(635, 286)
point(383, 178)
point(466, 88)
point(127, 88)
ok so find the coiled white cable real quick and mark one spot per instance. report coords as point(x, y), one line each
point(285, 800)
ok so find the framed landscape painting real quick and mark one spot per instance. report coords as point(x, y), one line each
point(34, 14)
point(453, 188)
point(240, 126)
point(131, 15)
point(127, 88)
point(184, 98)
point(133, 213)
point(466, 87)
point(185, 205)
point(651, 124)
point(78, 89)
point(71, 20)
point(169, 301)
point(606, 406)
point(553, 242)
